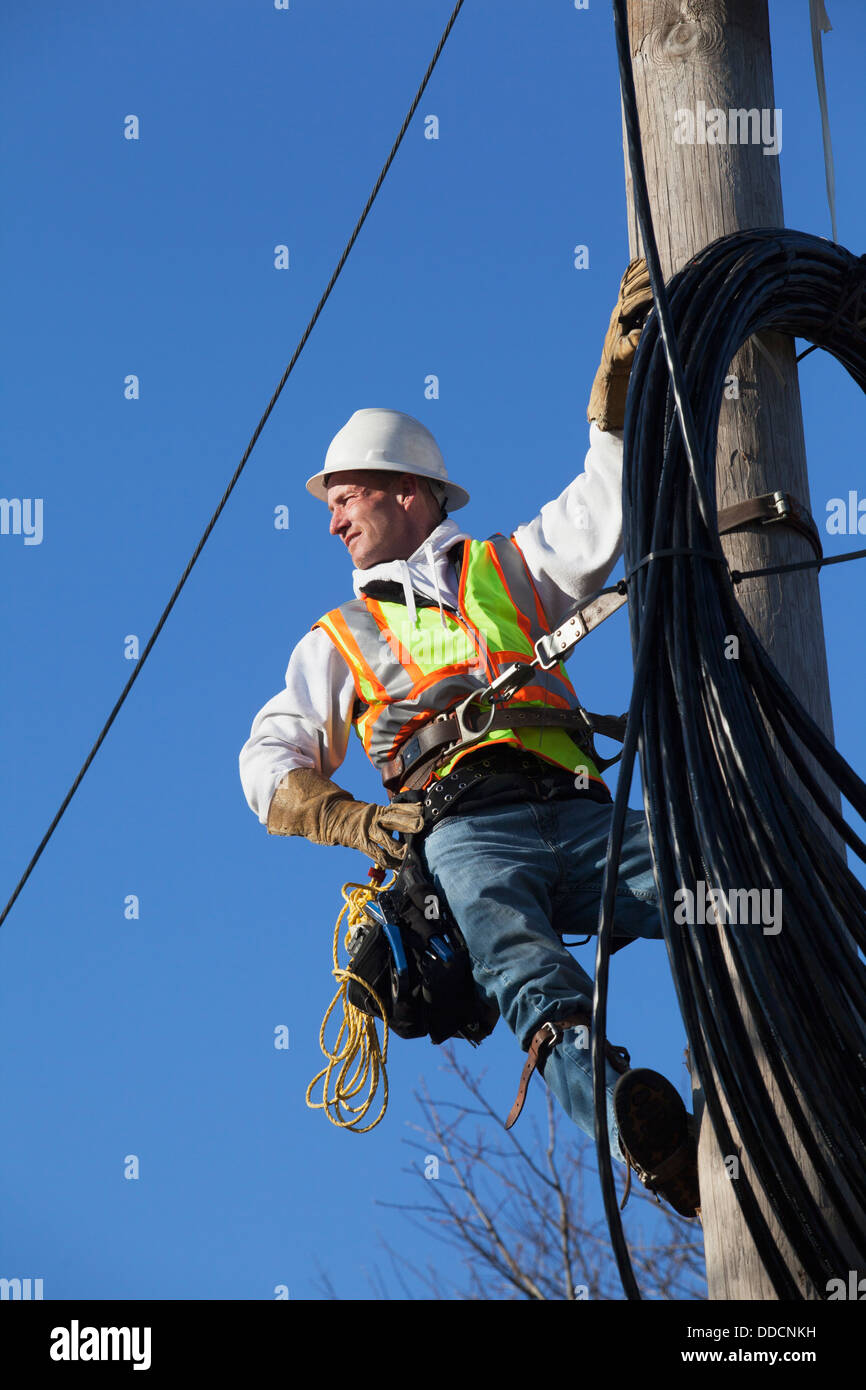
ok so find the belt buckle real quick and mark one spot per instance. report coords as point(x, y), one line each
point(782, 504)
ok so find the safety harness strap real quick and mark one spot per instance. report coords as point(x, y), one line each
point(772, 507)
point(412, 765)
point(576, 625)
point(546, 1037)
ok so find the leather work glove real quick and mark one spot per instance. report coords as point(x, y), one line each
point(607, 398)
point(307, 803)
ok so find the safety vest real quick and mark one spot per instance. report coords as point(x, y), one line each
point(406, 673)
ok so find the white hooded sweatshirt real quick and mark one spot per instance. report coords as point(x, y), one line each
point(570, 549)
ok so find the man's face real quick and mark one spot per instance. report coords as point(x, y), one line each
point(374, 524)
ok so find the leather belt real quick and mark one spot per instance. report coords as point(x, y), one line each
point(772, 507)
point(525, 772)
point(546, 1037)
point(412, 765)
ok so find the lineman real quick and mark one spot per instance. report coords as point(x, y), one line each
point(514, 827)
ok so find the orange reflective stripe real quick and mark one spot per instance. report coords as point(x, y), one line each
point(558, 671)
point(464, 571)
point(542, 616)
point(506, 658)
point(352, 652)
point(503, 659)
point(436, 676)
point(368, 720)
point(539, 695)
point(478, 641)
point(559, 674)
point(401, 653)
point(522, 620)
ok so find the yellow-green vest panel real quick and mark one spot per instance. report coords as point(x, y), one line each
point(405, 672)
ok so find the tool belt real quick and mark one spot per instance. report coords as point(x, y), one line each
point(410, 952)
point(446, 735)
point(496, 773)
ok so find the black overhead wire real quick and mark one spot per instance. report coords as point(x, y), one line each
point(719, 805)
point(237, 473)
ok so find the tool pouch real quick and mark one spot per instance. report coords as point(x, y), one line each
point(411, 953)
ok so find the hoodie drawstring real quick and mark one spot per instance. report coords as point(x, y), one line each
point(423, 562)
point(408, 593)
point(428, 551)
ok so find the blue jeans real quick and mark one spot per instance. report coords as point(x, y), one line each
point(515, 876)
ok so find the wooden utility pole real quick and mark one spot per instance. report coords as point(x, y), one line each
point(699, 57)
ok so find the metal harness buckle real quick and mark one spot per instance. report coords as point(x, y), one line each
point(468, 734)
point(782, 504)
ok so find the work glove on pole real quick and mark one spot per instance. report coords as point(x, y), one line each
point(307, 803)
point(610, 388)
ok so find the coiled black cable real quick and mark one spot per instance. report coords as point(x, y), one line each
point(719, 804)
point(720, 807)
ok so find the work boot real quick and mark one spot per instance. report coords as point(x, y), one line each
point(657, 1138)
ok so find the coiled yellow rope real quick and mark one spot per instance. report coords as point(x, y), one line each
point(357, 1041)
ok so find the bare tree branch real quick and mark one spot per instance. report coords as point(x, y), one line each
point(518, 1212)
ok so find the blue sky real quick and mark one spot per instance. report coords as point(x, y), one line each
point(260, 127)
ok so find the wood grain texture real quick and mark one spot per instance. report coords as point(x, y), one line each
point(718, 52)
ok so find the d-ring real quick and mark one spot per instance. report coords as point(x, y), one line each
point(466, 730)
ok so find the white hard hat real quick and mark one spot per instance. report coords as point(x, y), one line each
point(392, 442)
